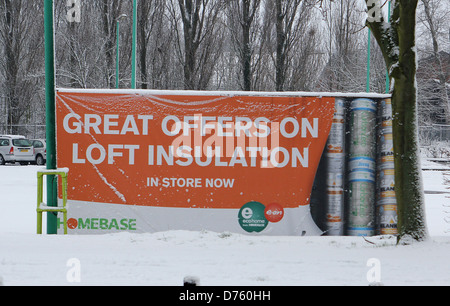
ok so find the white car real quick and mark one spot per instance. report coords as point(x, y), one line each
point(40, 151)
point(14, 148)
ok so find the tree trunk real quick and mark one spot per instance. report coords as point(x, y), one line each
point(12, 68)
point(110, 12)
point(143, 11)
point(246, 52)
point(190, 11)
point(202, 42)
point(281, 41)
point(408, 180)
point(109, 44)
point(72, 57)
point(397, 42)
point(287, 25)
point(243, 14)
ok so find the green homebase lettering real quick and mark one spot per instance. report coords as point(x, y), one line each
point(59, 223)
point(113, 224)
point(102, 224)
point(84, 225)
point(132, 224)
point(94, 223)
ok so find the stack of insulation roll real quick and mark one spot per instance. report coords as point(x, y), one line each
point(362, 168)
point(386, 208)
point(335, 157)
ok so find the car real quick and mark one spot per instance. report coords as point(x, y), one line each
point(15, 148)
point(40, 151)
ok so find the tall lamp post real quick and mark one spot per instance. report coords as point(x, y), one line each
point(118, 50)
point(52, 189)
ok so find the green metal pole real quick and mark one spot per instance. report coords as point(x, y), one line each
point(368, 65)
point(52, 188)
point(388, 80)
point(117, 55)
point(133, 55)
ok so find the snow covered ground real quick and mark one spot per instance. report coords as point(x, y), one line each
point(216, 259)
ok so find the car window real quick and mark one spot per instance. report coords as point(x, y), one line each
point(22, 143)
point(38, 144)
point(4, 142)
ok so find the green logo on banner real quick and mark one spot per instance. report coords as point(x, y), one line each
point(252, 218)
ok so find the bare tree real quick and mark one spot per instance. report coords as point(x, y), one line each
point(307, 61)
point(200, 41)
point(80, 48)
point(288, 36)
point(434, 68)
point(110, 11)
point(154, 44)
point(397, 40)
point(287, 24)
point(22, 41)
point(346, 46)
point(243, 18)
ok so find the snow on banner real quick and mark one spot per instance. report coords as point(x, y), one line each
point(150, 161)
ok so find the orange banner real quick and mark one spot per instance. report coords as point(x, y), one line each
point(182, 150)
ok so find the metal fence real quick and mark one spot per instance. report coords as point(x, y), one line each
point(434, 133)
point(31, 131)
point(32, 128)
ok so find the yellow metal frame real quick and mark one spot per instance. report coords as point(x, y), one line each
point(42, 207)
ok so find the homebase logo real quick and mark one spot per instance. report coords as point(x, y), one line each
point(103, 224)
